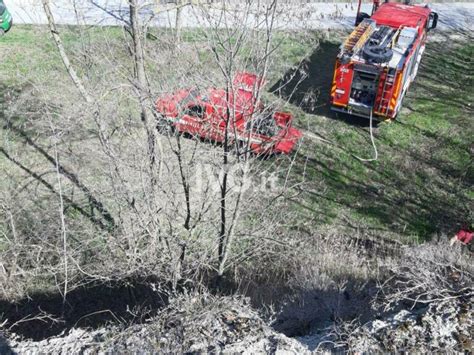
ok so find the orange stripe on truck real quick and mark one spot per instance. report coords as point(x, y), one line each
point(396, 92)
point(393, 103)
point(333, 89)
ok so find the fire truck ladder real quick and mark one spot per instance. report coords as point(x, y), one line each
point(358, 37)
point(387, 92)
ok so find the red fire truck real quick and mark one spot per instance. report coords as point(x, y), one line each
point(380, 58)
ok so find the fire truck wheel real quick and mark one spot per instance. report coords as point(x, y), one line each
point(377, 54)
point(361, 17)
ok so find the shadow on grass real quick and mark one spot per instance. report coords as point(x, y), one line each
point(41, 316)
point(308, 85)
point(398, 201)
point(316, 309)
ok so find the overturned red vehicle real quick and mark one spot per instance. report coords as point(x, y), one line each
point(214, 113)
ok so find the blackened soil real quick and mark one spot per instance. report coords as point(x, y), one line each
point(44, 315)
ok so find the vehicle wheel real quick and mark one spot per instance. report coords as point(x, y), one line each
point(377, 54)
point(361, 17)
point(165, 127)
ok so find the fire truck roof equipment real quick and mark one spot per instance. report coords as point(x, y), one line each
point(396, 15)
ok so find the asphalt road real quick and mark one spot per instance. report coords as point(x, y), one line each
point(453, 16)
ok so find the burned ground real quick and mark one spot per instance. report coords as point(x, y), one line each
point(41, 316)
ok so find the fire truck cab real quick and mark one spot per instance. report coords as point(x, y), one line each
point(379, 60)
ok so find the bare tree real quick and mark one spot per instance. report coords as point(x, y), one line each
point(204, 210)
point(59, 44)
point(142, 88)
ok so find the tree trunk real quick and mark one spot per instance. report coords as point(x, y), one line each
point(141, 86)
point(178, 20)
point(223, 209)
point(59, 44)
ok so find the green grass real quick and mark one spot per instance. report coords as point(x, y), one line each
point(420, 185)
point(422, 182)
